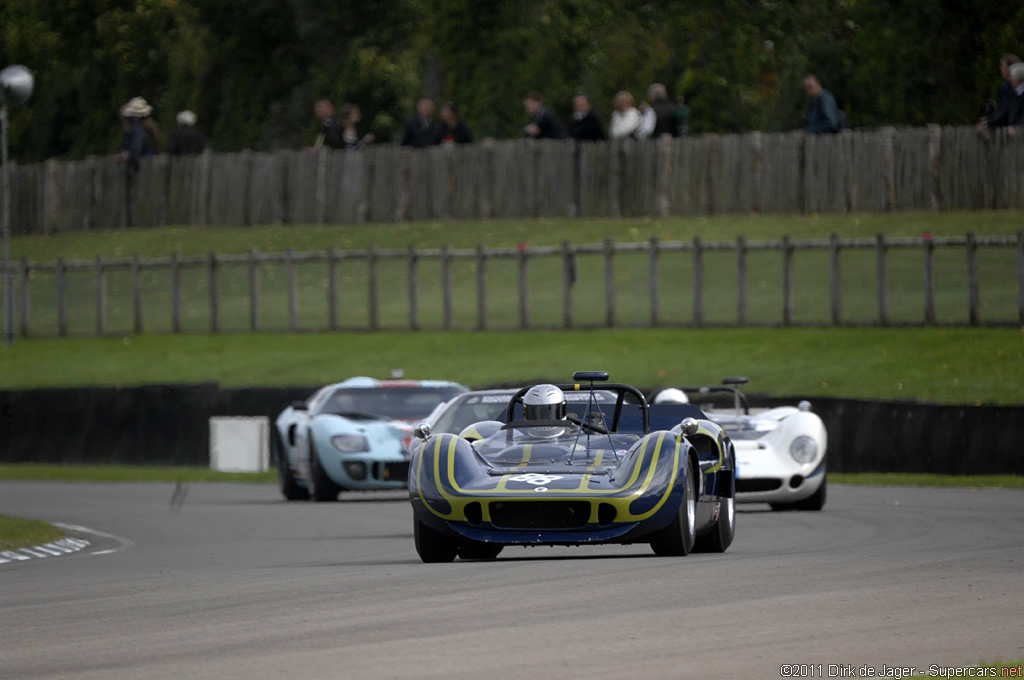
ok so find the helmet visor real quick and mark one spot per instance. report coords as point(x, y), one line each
point(544, 411)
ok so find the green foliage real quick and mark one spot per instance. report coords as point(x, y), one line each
point(252, 68)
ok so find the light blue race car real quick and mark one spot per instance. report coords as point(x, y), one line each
point(352, 435)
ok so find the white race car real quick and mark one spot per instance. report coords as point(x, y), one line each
point(780, 452)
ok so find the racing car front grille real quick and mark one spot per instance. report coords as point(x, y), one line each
point(757, 484)
point(540, 514)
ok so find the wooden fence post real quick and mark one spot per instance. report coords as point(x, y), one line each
point(213, 291)
point(371, 267)
point(320, 191)
point(481, 288)
point(664, 175)
point(524, 288)
point(787, 281)
point(176, 292)
point(609, 282)
point(137, 310)
point(293, 290)
point(414, 312)
point(62, 298)
point(332, 288)
point(654, 268)
point(698, 282)
point(254, 291)
point(101, 297)
point(889, 155)
point(757, 161)
point(935, 166)
point(882, 252)
point(741, 281)
point(837, 280)
point(973, 295)
point(1020, 277)
point(568, 281)
point(446, 287)
point(26, 298)
point(929, 281)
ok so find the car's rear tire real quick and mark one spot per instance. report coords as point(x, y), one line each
point(720, 537)
point(290, 488)
point(676, 540)
point(321, 487)
point(432, 545)
point(814, 502)
point(476, 550)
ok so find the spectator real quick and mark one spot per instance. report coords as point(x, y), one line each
point(186, 140)
point(543, 123)
point(453, 128)
point(659, 115)
point(1013, 114)
point(626, 118)
point(822, 116)
point(330, 134)
point(682, 114)
point(1006, 96)
point(586, 127)
point(351, 139)
point(135, 144)
point(422, 131)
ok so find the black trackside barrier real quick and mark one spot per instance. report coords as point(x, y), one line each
point(169, 425)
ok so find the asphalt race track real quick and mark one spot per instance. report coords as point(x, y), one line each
point(230, 581)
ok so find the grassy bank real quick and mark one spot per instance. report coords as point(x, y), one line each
point(943, 365)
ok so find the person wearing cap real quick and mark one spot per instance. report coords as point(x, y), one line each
point(186, 140)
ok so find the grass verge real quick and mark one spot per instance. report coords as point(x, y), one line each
point(127, 473)
point(914, 479)
point(124, 473)
point(16, 532)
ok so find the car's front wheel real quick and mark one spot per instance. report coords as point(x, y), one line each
point(814, 502)
point(321, 487)
point(290, 489)
point(721, 534)
point(677, 538)
point(432, 545)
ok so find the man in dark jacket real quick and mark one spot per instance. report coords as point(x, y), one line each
point(822, 116)
point(422, 131)
point(331, 134)
point(543, 123)
point(586, 127)
point(186, 140)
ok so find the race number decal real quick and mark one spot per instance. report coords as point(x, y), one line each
point(535, 478)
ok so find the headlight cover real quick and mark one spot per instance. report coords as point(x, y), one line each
point(803, 449)
point(350, 443)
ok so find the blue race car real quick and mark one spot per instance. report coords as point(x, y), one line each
point(352, 435)
point(551, 477)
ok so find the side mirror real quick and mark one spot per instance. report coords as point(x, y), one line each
point(422, 431)
point(299, 406)
point(689, 426)
point(738, 380)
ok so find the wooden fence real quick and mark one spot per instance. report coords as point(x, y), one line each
point(945, 168)
point(653, 283)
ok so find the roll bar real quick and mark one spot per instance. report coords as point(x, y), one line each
point(620, 389)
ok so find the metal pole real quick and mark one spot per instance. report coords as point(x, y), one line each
point(8, 279)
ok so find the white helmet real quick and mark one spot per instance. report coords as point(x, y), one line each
point(671, 395)
point(544, 402)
